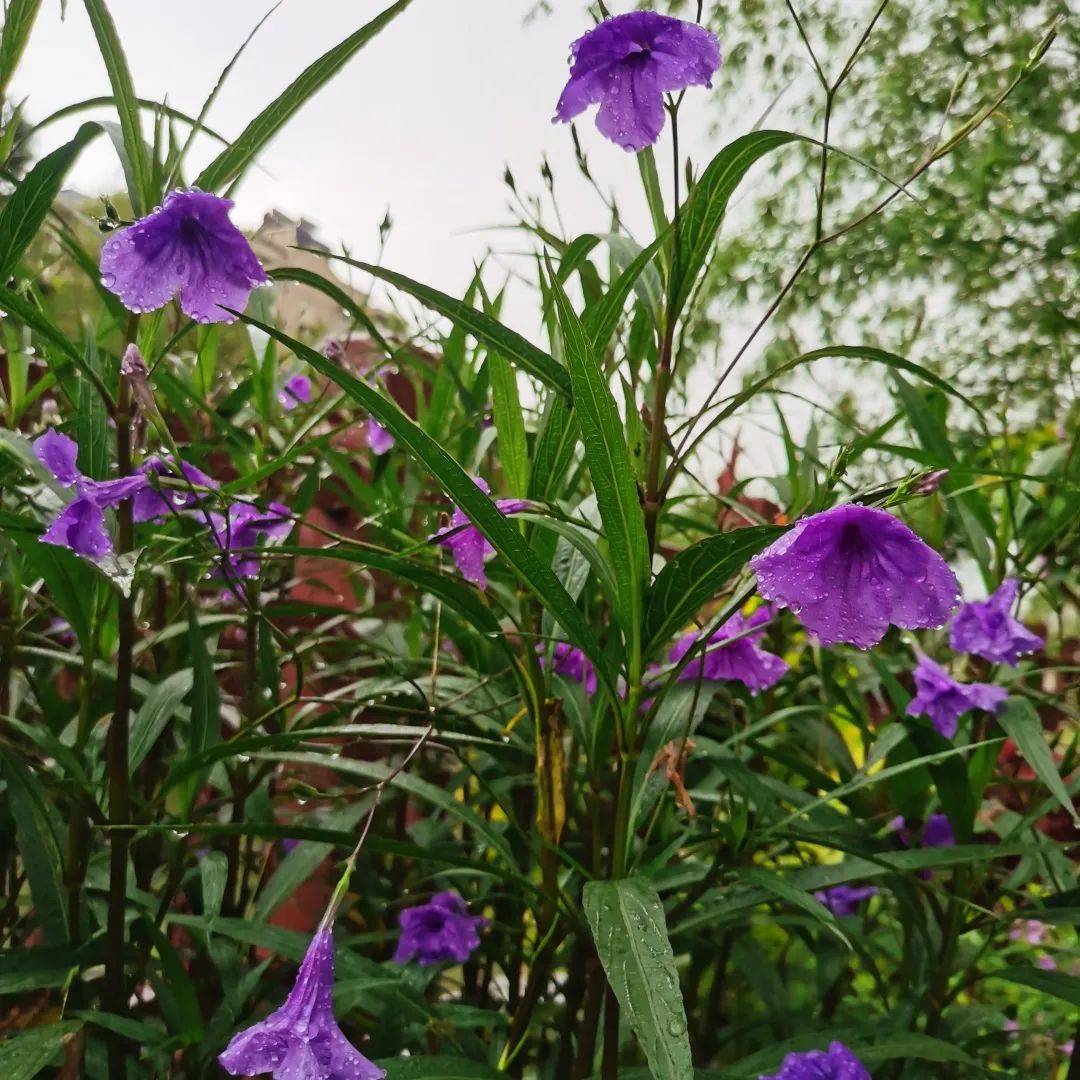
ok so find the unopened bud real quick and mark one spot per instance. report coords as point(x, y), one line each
point(134, 370)
point(930, 482)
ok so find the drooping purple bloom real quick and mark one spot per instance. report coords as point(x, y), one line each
point(440, 930)
point(468, 546)
point(945, 700)
point(844, 900)
point(850, 571)
point(379, 440)
point(986, 628)
point(836, 1063)
point(626, 64)
point(295, 391)
point(569, 661)
point(187, 245)
point(80, 525)
point(740, 660)
point(301, 1040)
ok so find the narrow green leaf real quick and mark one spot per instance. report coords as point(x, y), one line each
point(204, 725)
point(23, 1056)
point(19, 16)
point(602, 317)
point(554, 448)
point(1055, 983)
point(232, 161)
point(39, 846)
point(485, 329)
point(127, 104)
point(437, 1068)
point(213, 873)
point(157, 709)
point(610, 466)
point(31, 200)
point(704, 209)
point(509, 424)
point(502, 533)
point(628, 925)
point(696, 574)
point(782, 889)
point(1022, 724)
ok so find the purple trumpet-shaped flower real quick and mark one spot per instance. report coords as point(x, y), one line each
point(295, 391)
point(850, 571)
point(845, 899)
point(945, 700)
point(937, 832)
point(440, 930)
point(570, 662)
point(626, 64)
point(836, 1063)
point(238, 533)
point(379, 440)
point(986, 628)
point(153, 504)
point(468, 546)
point(187, 245)
point(740, 660)
point(301, 1040)
point(80, 526)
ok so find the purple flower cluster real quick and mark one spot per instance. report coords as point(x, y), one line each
point(733, 654)
point(986, 628)
point(301, 1040)
point(844, 900)
point(850, 571)
point(187, 245)
point(945, 700)
point(836, 1063)
point(441, 930)
point(468, 546)
point(80, 525)
point(626, 65)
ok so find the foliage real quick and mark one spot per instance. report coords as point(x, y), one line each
point(189, 758)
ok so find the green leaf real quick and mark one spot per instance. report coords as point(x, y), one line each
point(127, 104)
point(601, 317)
point(554, 448)
point(205, 724)
point(232, 161)
point(437, 1068)
point(29, 203)
point(486, 330)
point(502, 533)
point(610, 466)
point(39, 846)
point(628, 925)
point(1055, 983)
point(92, 419)
point(509, 424)
point(1022, 724)
point(19, 16)
point(704, 210)
point(158, 708)
point(696, 574)
point(23, 1056)
point(791, 894)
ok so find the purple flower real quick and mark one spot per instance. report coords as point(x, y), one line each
point(740, 660)
point(238, 532)
point(468, 546)
point(296, 391)
point(188, 245)
point(1031, 930)
point(986, 628)
point(80, 525)
point(572, 663)
point(152, 504)
point(439, 930)
point(379, 440)
point(836, 1063)
point(626, 64)
point(301, 1040)
point(944, 700)
point(1047, 963)
point(850, 571)
point(845, 899)
point(937, 832)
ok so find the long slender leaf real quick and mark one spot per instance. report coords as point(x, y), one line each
point(19, 16)
point(628, 925)
point(22, 1057)
point(232, 161)
point(127, 104)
